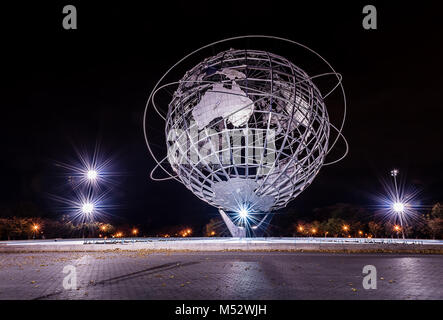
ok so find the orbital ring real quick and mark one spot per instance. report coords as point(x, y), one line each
point(171, 176)
point(339, 131)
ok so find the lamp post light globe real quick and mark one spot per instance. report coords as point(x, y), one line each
point(394, 172)
point(35, 228)
point(87, 208)
point(92, 174)
point(398, 207)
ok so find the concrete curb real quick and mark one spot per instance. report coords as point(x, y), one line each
point(189, 246)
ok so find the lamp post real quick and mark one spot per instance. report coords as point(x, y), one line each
point(346, 229)
point(398, 206)
point(35, 228)
point(87, 210)
point(313, 231)
point(300, 229)
point(397, 229)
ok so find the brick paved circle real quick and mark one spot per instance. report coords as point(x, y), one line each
point(219, 275)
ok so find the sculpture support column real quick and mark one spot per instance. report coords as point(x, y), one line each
point(257, 230)
point(236, 231)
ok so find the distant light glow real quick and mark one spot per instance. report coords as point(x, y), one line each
point(186, 232)
point(398, 207)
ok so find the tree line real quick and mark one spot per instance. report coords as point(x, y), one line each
point(340, 220)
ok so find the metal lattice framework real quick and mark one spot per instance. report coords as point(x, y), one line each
point(246, 129)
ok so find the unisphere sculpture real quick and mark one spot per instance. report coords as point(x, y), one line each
point(246, 131)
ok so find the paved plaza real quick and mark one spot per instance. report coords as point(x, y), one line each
point(218, 275)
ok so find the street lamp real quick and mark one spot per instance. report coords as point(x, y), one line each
point(345, 228)
point(87, 208)
point(397, 229)
point(91, 175)
point(300, 229)
point(35, 227)
point(398, 206)
point(185, 232)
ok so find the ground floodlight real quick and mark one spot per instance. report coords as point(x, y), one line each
point(244, 213)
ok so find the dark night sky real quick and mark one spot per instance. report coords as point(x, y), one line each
point(74, 87)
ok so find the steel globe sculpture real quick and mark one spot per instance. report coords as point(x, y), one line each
point(246, 131)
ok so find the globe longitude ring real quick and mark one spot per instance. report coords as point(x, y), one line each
point(246, 131)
